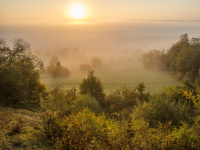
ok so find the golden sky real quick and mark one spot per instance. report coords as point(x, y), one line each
point(57, 12)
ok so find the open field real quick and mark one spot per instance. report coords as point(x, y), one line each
point(154, 81)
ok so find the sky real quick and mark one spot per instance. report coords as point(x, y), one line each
point(56, 12)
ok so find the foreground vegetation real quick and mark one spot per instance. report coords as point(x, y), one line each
point(128, 118)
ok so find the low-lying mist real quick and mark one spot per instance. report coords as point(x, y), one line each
point(115, 46)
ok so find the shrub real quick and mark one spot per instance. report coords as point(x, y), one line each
point(86, 101)
point(184, 138)
point(52, 127)
point(161, 109)
point(59, 101)
point(174, 93)
point(123, 100)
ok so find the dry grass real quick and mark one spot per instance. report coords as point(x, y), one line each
point(19, 129)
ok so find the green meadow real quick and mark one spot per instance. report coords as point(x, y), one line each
point(154, 81)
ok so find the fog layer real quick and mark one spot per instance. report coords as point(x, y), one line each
point(116, 45)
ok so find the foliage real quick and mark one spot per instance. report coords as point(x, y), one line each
point(85, 130)
point(65, 102)
point(52, 127)
point(93, 87)
point(174, 93)
point(122, 98)
point(194, 98)
point(20, 74)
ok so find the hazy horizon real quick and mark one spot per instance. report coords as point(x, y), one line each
point(111, 41)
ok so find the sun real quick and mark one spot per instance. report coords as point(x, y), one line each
point(77, 11)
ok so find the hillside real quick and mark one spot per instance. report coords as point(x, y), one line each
point(19, 128)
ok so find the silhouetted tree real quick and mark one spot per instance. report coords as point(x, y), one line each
point(56, 69)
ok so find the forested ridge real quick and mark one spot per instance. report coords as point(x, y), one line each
point(128, 118)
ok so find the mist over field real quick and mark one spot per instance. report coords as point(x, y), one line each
point(118, 45)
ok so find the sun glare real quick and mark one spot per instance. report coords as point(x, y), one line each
point(77, 11)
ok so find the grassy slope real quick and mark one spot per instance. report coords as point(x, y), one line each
point(19, 129)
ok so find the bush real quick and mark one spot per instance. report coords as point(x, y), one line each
point(123, 100)
point(161, 109)
point(86, 101)
point(59, 101)
point(53, 128)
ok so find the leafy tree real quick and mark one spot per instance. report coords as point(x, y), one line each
point(19, 74)
point(93, 87)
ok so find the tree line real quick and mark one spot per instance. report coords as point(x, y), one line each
point(181, 59)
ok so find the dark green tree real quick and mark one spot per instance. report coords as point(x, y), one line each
point(19, 74)
point(93, 87)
